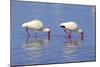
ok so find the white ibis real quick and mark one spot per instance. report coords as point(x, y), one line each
point(36, 25)
point(72, 26)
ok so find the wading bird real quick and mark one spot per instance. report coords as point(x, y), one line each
point(71, 26)
point(36, 25)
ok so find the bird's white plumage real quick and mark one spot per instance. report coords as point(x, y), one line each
point(34, 24)
point(69, 25)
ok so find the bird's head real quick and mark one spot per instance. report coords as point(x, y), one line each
point(48, 31)
point(80, 31)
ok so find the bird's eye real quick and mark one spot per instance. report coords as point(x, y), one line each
point(62, 26)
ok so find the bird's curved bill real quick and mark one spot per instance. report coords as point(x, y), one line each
point(82, 35)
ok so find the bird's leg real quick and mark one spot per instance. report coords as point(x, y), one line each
point(70, 32)
point(49, 35)
point(69, 39)
point(69, 36)
point(27, 40)
point(27, 32)
point(67, 33)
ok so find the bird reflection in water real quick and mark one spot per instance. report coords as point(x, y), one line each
point(70, 49)
point(35, 48)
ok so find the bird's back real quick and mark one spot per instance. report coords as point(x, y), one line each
point(71, 25)
point(35, 24)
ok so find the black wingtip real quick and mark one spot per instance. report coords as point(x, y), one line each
point(62, 26)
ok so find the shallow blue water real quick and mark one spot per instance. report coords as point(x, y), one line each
point(32, 50)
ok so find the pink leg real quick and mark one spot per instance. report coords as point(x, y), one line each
point(27, 32)
point(49, 35)
point(66, 32)
point(69, 34)
point(27, 40)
